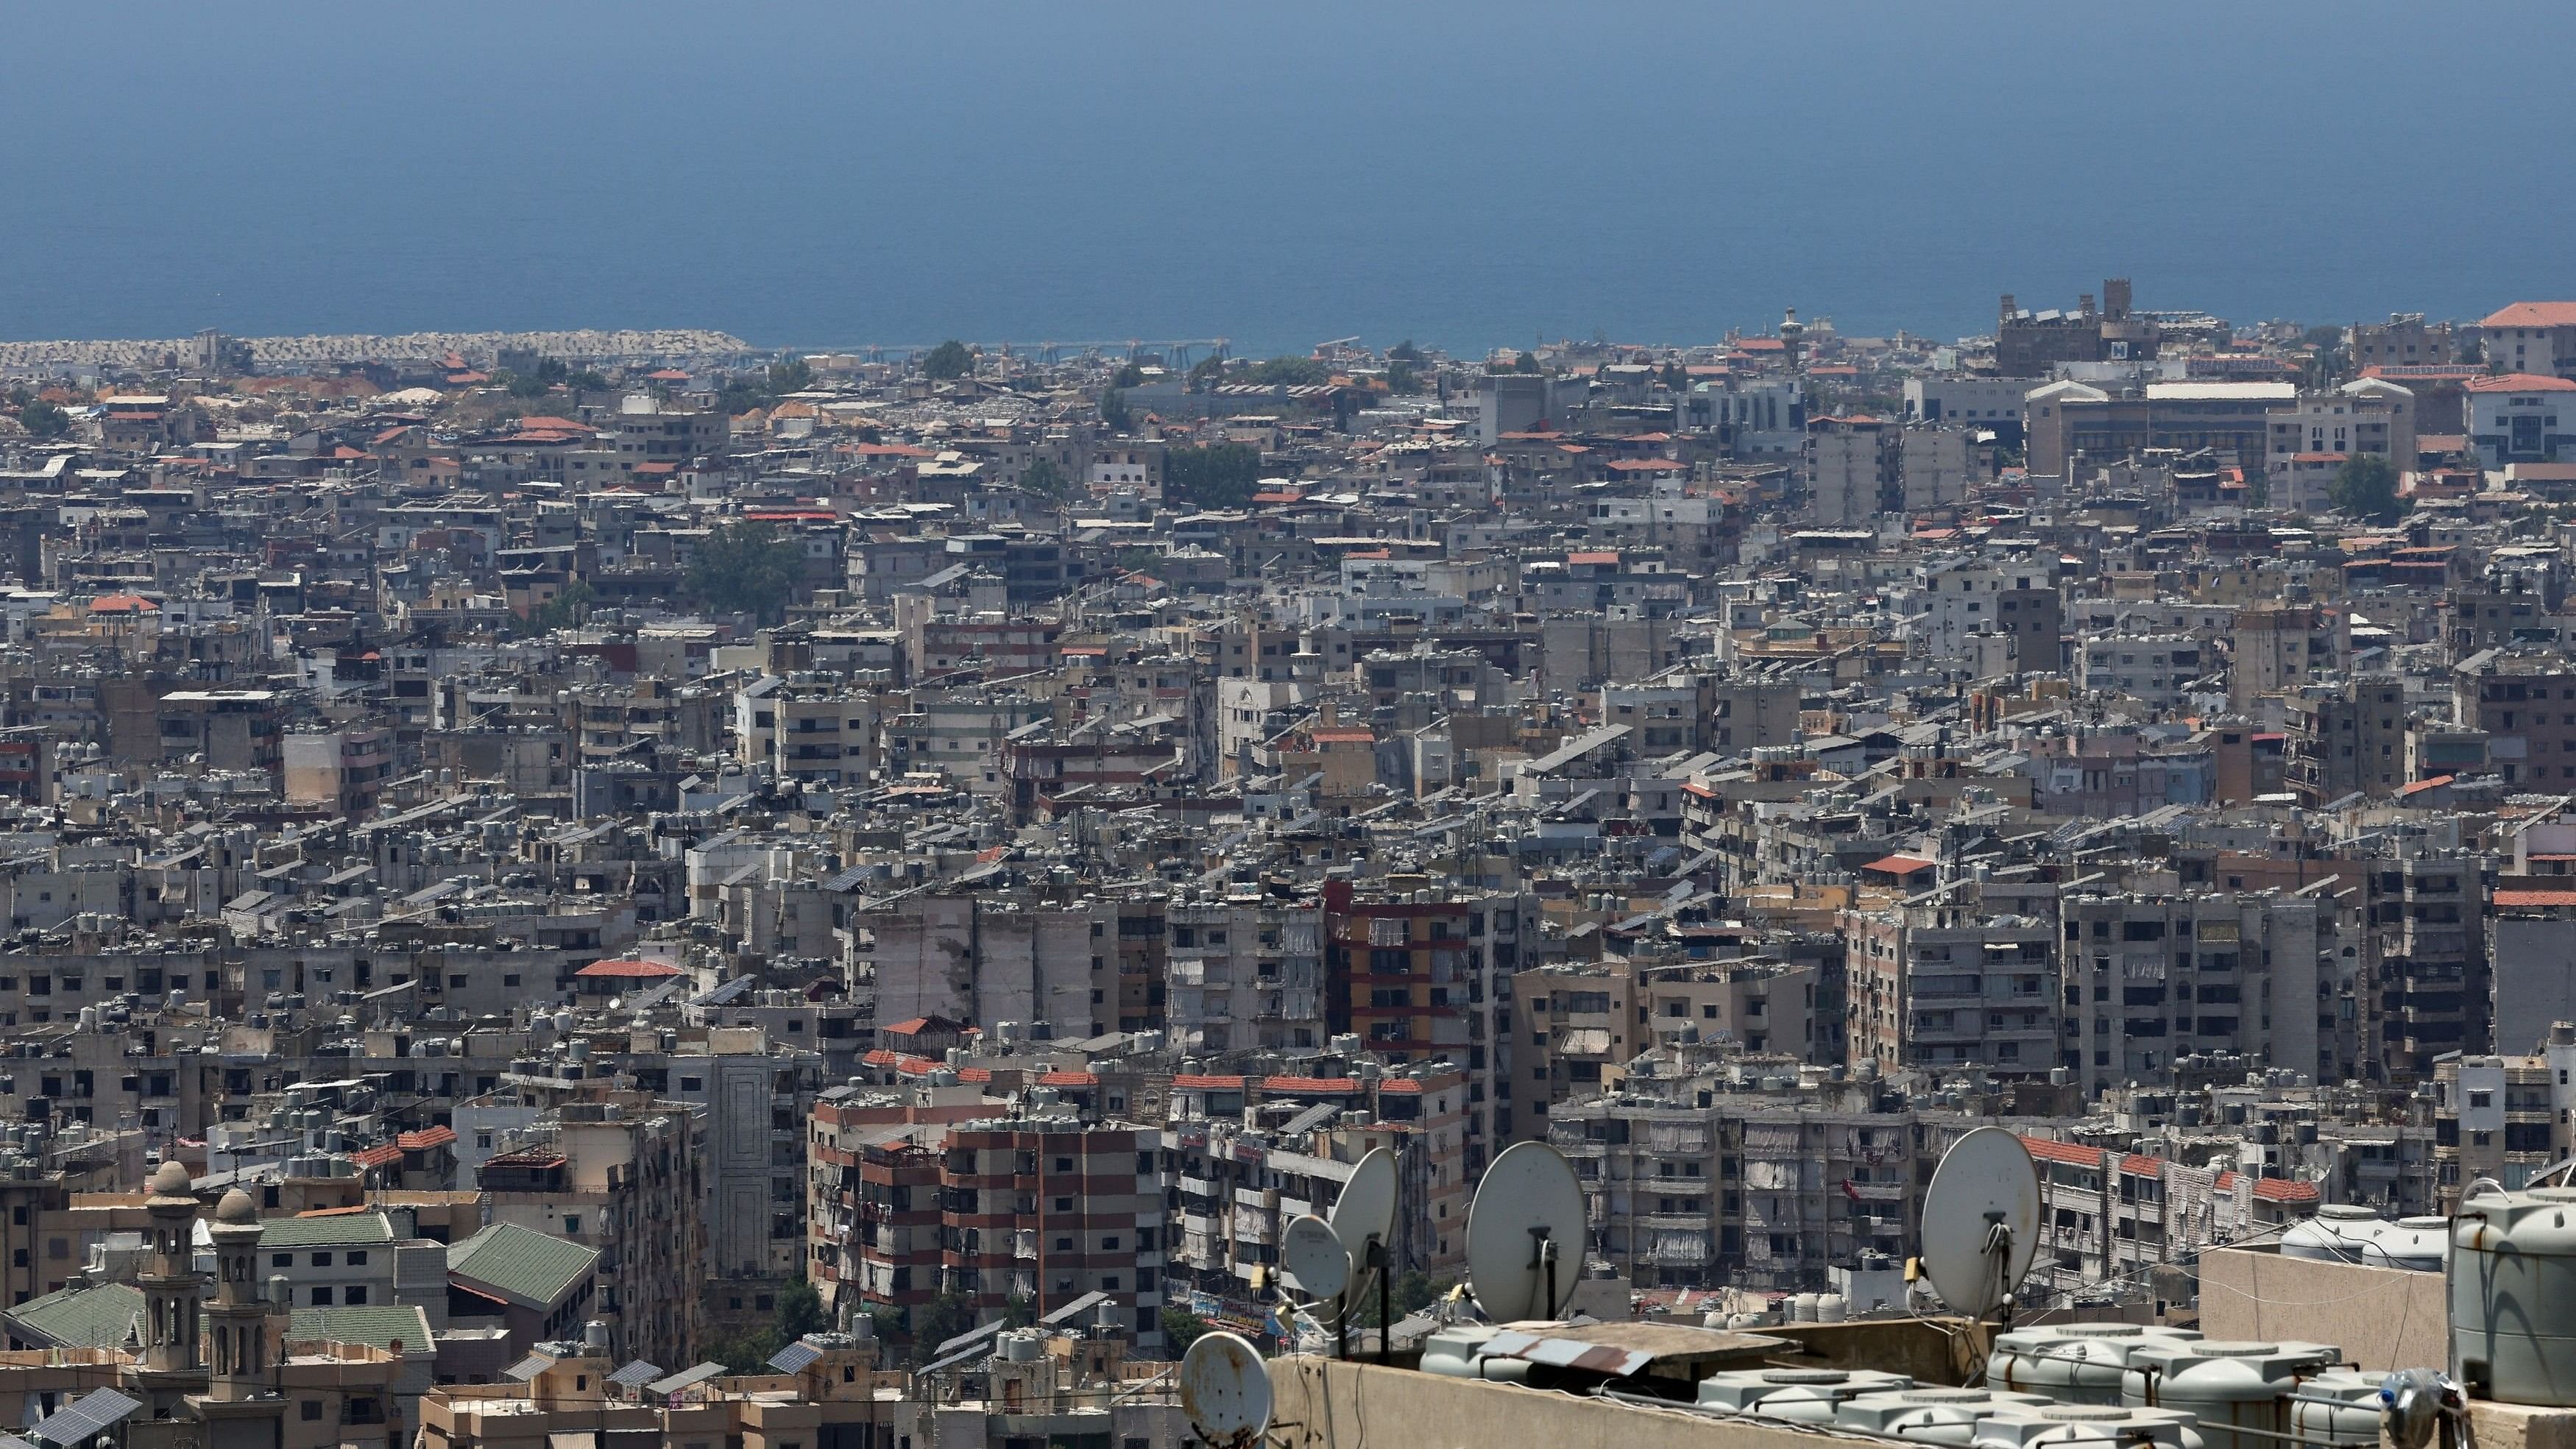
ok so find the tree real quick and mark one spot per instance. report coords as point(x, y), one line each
point(1526, 362)
point(1113, 412)
point(1221, 475)
point(2365, 487)
point(949, 359)
point(1209, 372)
point(1407, 1295)
point(746, 568)
point(1404, 351)
point(1401, 378)
point(537, 380)
point(1129, 376)
point(568, 609)
point(1044, 479)
point(940, 1320)
point(42, 419)
point(793, 375)
point(587, 379)
point(800, 1312)
point(1020, 1312)
point(748, 1351)
point(1181, 1328)
point(1288, 372)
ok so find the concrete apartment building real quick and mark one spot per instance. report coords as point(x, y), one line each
point(1850, 470)
point(2347, 736)
point(2152, 979)
point(1938, 986)
point(2532, 337)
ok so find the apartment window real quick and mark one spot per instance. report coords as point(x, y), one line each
point(310, 1411)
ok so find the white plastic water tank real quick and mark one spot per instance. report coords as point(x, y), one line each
point(1931, 1415)
point(2337, 1233)
point(1830, 1308)
point(1802, 1308)
point(2073, 1363)
point(2089, 1425)
point(2354, 1420)
point(1805, 1396)
point(2421, 1245)
point(2226, 1384)
point(2513, 1296)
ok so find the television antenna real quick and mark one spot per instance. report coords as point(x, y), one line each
point(1225, 1394)
point(1363, 1217)
point(1981, 1223)
point(1528, 1216)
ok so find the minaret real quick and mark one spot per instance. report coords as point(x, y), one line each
point(237, 1322)
point(170, 1285)
point(1793, 333)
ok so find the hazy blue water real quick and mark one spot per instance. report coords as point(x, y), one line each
point(1467, 174)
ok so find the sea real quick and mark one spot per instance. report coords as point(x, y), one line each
point(1465, 175)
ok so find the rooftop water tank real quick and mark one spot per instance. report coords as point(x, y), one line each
point(2227, 1384)
point(2336, 1234)
point(2090, 1425)
point(2421, 1245)
point(2354, 1420)
point(1806, 1396)
point(2073, 1363)
point(1932, 1415)
point(2513, 1296)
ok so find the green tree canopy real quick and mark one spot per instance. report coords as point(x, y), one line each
point(1526, 362)
point(1288, 372)
point(746, 568)
point(539, 379)
point(949, 359)
point(1404, 351)
point(1207, 373)
point(42, 419)
point(2365, 487)
point(940, 1320)
point(1045, 479)
point(1221, 475)
point(1129, 376)
point(1181, 1328)
point(1113, 412)
point(568, 609)
point(1401, 378)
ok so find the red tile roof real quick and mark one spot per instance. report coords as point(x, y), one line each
point(2048, 1149)
point(2535, 898)
point(376, 1156)
point(2518, 382)
point(1069, 1079)
point(1309, 1084)
point(1188, 1080)
point(2282, 1189)
point(2533, 314)
point(425, 1139)
point(1592, 558)
point(639, 970)
point(1898, 864)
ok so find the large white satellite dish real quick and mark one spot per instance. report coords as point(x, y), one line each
point(1525, 1234)
point(1981, 1221)
point(1317, 1264)
point(1225, 1394)
point(1365, 1210)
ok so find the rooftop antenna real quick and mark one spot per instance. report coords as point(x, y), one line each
point(1981, 1223)
point(1528, 1212)
point(1224, 1391)
point(1363, 1217)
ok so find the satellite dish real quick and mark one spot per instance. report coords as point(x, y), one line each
point(1315, 1259)
point(1525, 1234)
point(1224, 1392)
point(1981, 1221)
point(1365, 1210)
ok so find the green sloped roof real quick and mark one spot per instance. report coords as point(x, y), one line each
point(376, 1327)
point(81, 1317)
point(521, 1263)
point(340, 1230)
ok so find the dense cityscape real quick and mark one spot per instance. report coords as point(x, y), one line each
point(632, 890)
